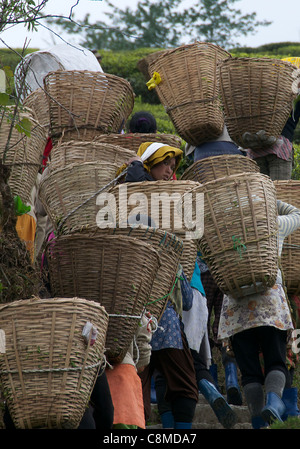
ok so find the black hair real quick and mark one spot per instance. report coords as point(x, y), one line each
point(142, 122)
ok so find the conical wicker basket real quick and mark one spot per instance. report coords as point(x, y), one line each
point(24, 154)
point(289, 192)
point(118, 272)
point(239, 244)
point(77, 151)
point(158, 200)
point(257, 95)
point(143, 64)
point(212, 168)
point(68, 194)
point(84, 104)
point(169, 248)
point(132, 141)
point(48, 371)
point(189, 90)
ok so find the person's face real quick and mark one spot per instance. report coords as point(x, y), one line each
point(163, 170)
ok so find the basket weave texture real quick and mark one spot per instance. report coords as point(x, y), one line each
point(24, 154)
point(289, 192)
point(143, 64)
point(76, 151)
point(39, 105)
point(212, 168)
point(159, 200)
point(132, 141)
point(239, 243)
point(118, 272)
point(64, 191)
point(48, 372)
point(84, 104)
point(257, 95)
point(169, 248)
point(189, 90)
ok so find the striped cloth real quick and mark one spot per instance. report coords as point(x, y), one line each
point(282, 148)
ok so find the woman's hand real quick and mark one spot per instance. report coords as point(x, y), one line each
point(134, 158)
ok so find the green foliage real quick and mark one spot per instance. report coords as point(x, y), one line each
point(219, 22)
point(27, 12)
point(156, 23)
point(296, 167)
point(124, 64)
point(293, 422)
point(279, 49)
point(164, 123)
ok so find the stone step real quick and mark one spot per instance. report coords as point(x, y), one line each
point(205, 417)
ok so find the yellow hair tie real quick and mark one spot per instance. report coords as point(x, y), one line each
point(155, 80)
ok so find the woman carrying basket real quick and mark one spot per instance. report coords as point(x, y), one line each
point(171, 356)
point(258, 324)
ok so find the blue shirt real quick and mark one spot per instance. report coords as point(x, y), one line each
point(168, 334)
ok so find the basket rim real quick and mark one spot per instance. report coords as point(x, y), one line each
point(191, 45)
point(85, 72)
point(57, 300)
point(248, 59)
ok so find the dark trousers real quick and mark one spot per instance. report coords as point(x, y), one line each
point(258, 351)
point(176, 367)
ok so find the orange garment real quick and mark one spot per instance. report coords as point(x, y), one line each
point(25, 227)
point(127, 396)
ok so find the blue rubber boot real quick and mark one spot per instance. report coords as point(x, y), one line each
point(213, 369)
point(289, 398)
point(167, 420)
point(258, 422)
point(183, 425)
point(273, 409)
point(153, 392)
point(234, 395)
point(222, 410)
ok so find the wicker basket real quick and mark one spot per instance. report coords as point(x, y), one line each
point(289, 192)
point(24, 154)
point(169, 248)
point(116, 271)
point(257, 96)
point(239, 244)
point(212, 168)
point(74, 152)
point(47, 372)
point(84, 104)
point(132, 141)
point(68, 194)
point(143, 64)
point(164, 213)
point(39, 105)
point(189, 90)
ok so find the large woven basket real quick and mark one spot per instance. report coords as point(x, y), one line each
point(39, 105)
point(289, 192)
point(47, 371)
point(169, 248)
point(143, 64)
point(211, 168)
point(239, 243)
point(257, 95)
point(77, 151)
point(24, 153)
point(132, 141)
point(158, 200)
point(118, 272)
point(189, 90)
point(84, 104)
point(68, 194)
